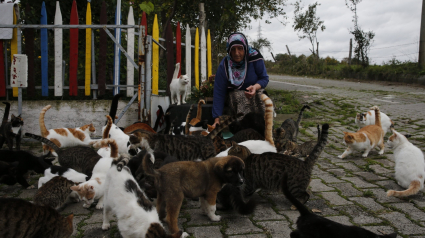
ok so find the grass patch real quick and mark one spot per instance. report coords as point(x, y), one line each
point(368, 193)
point(286, 102)
point(307, 124)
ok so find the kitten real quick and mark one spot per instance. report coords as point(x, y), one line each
point(65, 137)
point(114, 132)
point(11, 130)
point(303, 150)
point(17, 215)
point(136, 215)
point(288, 131)
point(95, 187)
point(409, 165)
point(178, 87)
point(312, 225)
point(182, 147)
point(366, 138)
point(68, 173)
point(25, 162)
point(265, 171)
point(368, 118)
point(55, 193)
point(80, 158)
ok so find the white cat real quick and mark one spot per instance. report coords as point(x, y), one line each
point(136, 215)
point(409, 165)
point(65, 137)
point(178, 87)
point(368, 118)
point(95, 187)
point(255, 146)
point(68, 173)
point(113, 131)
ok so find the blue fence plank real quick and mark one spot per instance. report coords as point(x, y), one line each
point(44, 53)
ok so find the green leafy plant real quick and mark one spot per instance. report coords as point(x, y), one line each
point(205, 90)
point(147, 7)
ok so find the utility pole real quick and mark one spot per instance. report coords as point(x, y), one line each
point(351, 48)
point(421, 58)
point(317, 50)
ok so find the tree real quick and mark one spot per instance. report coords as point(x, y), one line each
point(261, 43)
point(363, 39)
point(307, 23)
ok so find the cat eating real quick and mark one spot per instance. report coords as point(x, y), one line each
point(178, 87)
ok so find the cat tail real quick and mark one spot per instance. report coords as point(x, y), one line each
point(299, 120)
point(318, 133)
point(268, 118)
point(414, 188)
point(159, 117)
point(196, 120)
point(303, 210)
point(314, 155)
point(225, 123)
point(6, 113)
point(377, 115)
point(176, 71)
point(121, 161)
point(45, 141)
point(43, 129)
point(114, 107)
point(148, 167)
point(108, 143)
point(186, 126)
point(105, 134)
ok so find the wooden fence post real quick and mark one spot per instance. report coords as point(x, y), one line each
point(349, 54)
point(179, 48)
point(170, 56)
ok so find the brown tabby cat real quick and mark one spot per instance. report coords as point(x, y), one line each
point(303, 150)
point(265, 171)
point(20, 218)
point(55, 192)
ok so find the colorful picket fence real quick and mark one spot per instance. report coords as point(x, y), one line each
point(173, 42)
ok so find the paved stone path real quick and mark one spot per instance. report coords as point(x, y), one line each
point(351, 191)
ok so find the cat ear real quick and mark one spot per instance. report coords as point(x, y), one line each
point(91, 189)
point(75, 188)
point(234, 144)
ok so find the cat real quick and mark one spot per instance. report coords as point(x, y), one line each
point(136, 215)
point(68, 173)
point(95, 187)
point(25, 162)
point(310, 225)
point(55, 193)
point(288, 131)
point(366, 138)
point(182, 147)
point(114, 132)
point(80, 158)
point(11, 130)
point(409, 165)
point(178, 87)
point(368, 118)
point(8, 173)
point(198, 117)
point(244, 135)
point(65, 137)
point(265, 171)
point(250, 120)
point(17, 215)
point(303, 150)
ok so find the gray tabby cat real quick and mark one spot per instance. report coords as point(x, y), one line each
point(55, 193)
point(20, 218)
point(273, 166)
point(80, 158)
point(183, 147)
point(303, 150)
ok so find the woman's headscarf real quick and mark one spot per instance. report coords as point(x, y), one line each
point(236, 72)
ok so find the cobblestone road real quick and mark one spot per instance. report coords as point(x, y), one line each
point(351, 191)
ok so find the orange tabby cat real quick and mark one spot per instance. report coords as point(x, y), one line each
point(366, 138)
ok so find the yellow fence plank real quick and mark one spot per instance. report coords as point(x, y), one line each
point(88, 52)
point(197, 59)
point(155, 56)
point(209, 54)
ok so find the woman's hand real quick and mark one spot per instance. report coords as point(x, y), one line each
point(216, 122)
point(251, 90)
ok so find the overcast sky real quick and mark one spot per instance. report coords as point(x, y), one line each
point(396, 24)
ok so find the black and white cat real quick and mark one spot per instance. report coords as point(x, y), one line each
point(11, 130)
point(68, 173)
point(178, 87)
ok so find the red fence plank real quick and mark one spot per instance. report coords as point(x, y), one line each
point(101, 78)
point(170, 55)
point(179, 47)
point(144, 22)
point(73, 52)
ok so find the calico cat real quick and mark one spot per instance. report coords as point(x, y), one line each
point(11, 130)
point(310, 225)
point(178, 87)
point(114, 132)
point(55, 193)
point(366, 138)
point(138, 217)
point(409, 165)
point(368, 118)
point(273, 166)
point(288, 131)
point(95, 187)
point(17, 215)
point(65, 137)
point(25, 162)
point(68, 173)
point(303, 150)
point(182, 147)
point(80, 158)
